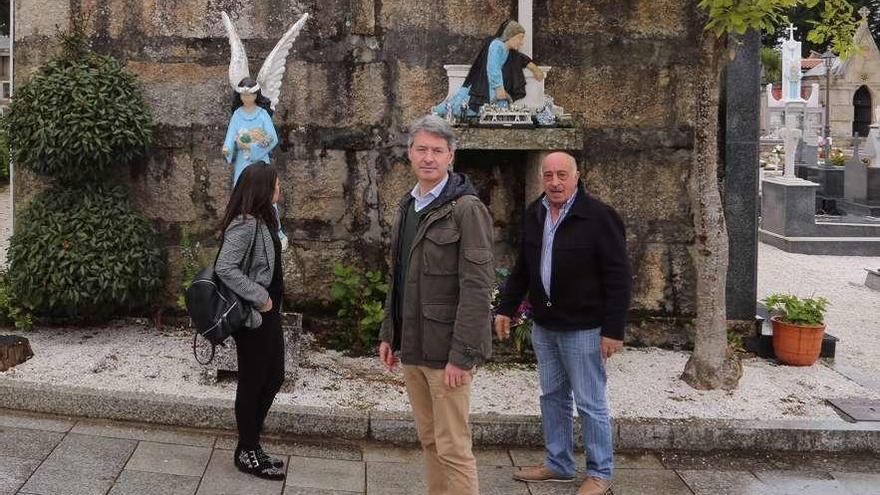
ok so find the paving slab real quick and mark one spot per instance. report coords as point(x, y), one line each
point(527, 457)
point(395, 478)
point(326, 449)
point(648, 482)
point(294, 490)
point(859, 483)
point(222, 478)
point(183, 460)
point(14, 471)
point(327, 474)
point(28, 444)
point(497, 480)
point(141, 483)
point(34, 421)
point(725, 483)
point(378, 453)
point(81, 465)
point(803, 483)
point(143, 431)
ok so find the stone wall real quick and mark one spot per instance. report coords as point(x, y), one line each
point(361, 70)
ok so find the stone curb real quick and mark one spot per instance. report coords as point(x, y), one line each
point(398, 427)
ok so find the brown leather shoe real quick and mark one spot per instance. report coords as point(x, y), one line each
point(594, 486)
point(540, 474)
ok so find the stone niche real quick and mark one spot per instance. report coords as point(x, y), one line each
point(505, 166)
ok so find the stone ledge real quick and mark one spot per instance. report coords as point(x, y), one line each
point(398, 427)
point(540, 139)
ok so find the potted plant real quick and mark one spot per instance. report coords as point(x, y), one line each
point(798, 327)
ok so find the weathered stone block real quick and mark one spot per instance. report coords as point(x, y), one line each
point(642, 19)
point(478, 19)
point(164, 189)
point(315, 199)
point(307, 269)
point(612, 96)
point(418, 89)
point(647, 189)
point(363, 17)
point(190, 18)
point(183, 94)
point(40, 18)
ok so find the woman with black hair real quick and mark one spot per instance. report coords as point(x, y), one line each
point(250, 235)
point(251, 136)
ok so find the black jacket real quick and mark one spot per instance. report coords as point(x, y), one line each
point(512, 72)
point(591, 281)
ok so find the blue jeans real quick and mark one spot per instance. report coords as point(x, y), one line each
point(570, 363)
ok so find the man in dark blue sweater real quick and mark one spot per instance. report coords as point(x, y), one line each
point(574, 267)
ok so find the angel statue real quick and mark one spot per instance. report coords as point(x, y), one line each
point(251, 136)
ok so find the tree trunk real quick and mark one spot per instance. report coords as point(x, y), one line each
point(712, 365)
point(14, 350)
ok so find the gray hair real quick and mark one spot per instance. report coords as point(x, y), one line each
point(432, 124)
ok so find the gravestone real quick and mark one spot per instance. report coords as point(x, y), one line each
point(861, 188)
point(872, 280)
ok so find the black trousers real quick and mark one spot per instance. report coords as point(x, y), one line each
point(260, 375)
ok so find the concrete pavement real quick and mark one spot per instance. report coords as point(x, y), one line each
point(56, 455)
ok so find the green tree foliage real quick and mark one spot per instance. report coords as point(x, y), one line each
point(79, 115)
point(83, 253)
point(5, 15)
point(360, 297)
point(4, 150)
point(835, 26)
point(771, 66)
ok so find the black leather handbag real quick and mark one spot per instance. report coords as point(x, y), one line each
point(216, 312)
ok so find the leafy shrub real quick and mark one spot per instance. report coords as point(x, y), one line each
point(796, 310)
point(4, 150)
point(11, 311)
point(360, 296)
point(84, 253)
point(78, 115)
point(521, 323)
point(190, 264)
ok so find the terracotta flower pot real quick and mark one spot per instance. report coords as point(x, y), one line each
point(797, 345)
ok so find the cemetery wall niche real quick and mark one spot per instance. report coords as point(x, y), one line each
point(360, 71)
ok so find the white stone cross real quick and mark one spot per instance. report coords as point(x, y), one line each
point(864, 11)
point(525, 19)
point(791, 29)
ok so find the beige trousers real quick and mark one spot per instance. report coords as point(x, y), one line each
point(441, 416)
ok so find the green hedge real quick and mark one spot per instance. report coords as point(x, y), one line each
point(83, 253)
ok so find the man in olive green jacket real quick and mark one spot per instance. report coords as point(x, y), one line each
point(438, 312)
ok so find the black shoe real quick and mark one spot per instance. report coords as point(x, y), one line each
point(248, 462)
point(267, 459)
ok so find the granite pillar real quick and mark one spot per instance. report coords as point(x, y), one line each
point(742, 93)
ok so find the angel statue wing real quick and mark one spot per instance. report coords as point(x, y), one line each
point(272, 71)
point(238, 62)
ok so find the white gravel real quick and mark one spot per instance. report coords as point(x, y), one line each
point(854, 313)
point(642, 382)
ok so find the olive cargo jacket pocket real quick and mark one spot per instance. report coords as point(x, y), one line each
point(438, 324)
point(440, 251)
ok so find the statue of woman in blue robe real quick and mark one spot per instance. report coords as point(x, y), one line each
point(496, 74)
